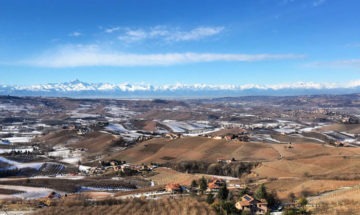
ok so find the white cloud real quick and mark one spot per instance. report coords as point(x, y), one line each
point(317, 3)
point(80, 56)
point(170, 34)
point(75, 34)
point(111, 30)
point(134, 35)
point(195, 34)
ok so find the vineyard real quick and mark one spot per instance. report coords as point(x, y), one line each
point(51, 169)
point(168, 206)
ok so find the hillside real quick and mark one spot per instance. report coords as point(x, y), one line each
point(196, 148)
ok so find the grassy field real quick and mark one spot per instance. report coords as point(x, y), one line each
point(306, 186)
point(94, 142)
point(165, 176)
point(196, 148)
point(313, 160)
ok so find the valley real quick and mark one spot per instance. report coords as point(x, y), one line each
point(96, 151)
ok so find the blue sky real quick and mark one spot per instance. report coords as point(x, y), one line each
point(188, 41)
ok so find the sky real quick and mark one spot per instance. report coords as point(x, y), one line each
point(170, 41)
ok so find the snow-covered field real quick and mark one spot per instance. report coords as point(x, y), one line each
point(73, 160)
point(285, 130)
point(203, 133)
point(5, 142)
point(265, 137)
point(75, 114)
point(67, 155)
point(152, 195)
point(128, 135)
point(341, 136)
point(109, 189)
point(18, 165)
point(182, 127)
point(310, 129)
point(61, 152)
point(19, 139)
point(27, 192)
point(131, 136)
point(117, 128)
point(119, 111)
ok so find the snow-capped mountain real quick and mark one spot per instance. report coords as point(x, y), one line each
point(81, 89)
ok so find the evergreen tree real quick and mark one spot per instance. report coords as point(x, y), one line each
point(194, 184)
point(261, 192)
point(203, 184)
point(273, 199)
point(223, 193)
point(210, 198)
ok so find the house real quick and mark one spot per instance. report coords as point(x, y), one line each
point(172, 136)
point(339, 143)
point(72, 127)
point(83, 131)
point(218, 138)
point(229, 137)
point(254, 206)
point(174, 188)
point(50, 200)
point(115, 162)
point(84, 169)
point(215, 184)
point(226, 161)
point(262, 206)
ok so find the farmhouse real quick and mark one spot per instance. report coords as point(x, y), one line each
point(218, 138)
point(83, 131)
point(226, 161)
point(215, 184)
point(174, 188)
point(172, 136)
point(254, 206)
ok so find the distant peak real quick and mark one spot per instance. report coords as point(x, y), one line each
point(76, 81)
point(76, 86)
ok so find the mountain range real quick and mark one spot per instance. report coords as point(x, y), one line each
point(78, 88)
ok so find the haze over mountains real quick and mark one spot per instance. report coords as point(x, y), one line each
point(82, 89)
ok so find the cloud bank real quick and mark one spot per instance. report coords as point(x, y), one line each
point(83, 56)
point(166, 33)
